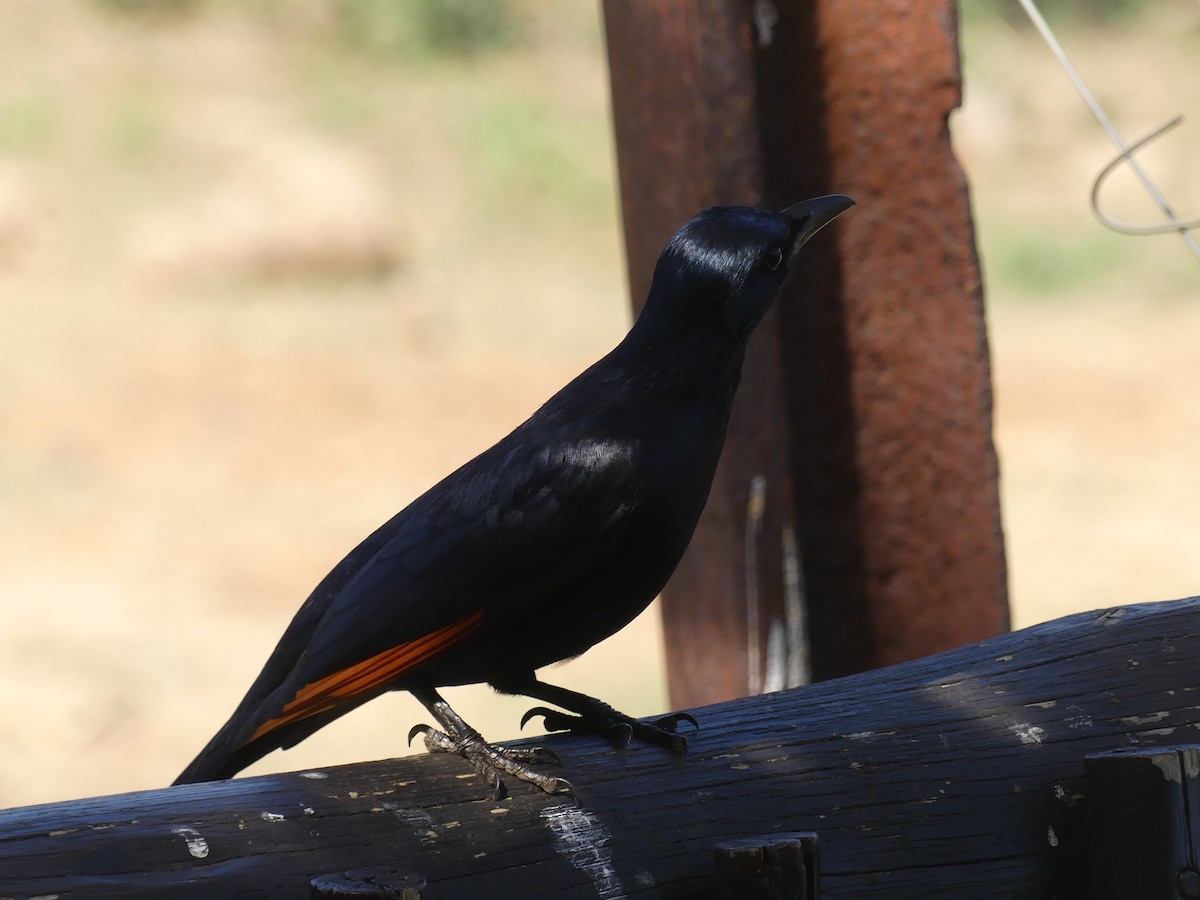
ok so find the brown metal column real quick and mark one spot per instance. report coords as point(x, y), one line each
point(855, 516)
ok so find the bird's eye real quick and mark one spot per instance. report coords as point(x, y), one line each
point(774, 258)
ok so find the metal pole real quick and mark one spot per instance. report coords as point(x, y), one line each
point(854, 521)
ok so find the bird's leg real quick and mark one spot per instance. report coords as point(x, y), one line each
point(595, 716)
point(489, 760)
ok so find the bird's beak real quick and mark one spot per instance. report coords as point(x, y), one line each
point(813, 215)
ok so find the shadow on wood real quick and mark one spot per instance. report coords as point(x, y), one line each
point(957, 775)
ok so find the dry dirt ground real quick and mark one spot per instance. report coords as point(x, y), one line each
point(260, 287)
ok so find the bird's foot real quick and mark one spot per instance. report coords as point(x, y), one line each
point(619, 728)
point(492, 761)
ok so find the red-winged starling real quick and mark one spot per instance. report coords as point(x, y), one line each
point(549, 541)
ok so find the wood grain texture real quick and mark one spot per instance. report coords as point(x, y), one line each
point(960, 774)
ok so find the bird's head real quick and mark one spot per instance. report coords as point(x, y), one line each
point(725, 267)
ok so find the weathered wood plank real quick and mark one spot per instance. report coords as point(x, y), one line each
point(1145, 823)
point(960, 774)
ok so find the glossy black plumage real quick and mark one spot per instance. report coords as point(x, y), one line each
point(552, 539)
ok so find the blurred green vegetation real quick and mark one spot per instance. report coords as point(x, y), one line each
point(524, 146)
point(386, 28)
point(1033, 147)
point(1030, 261)
point(471, 26)
point(27, 122)
point(527, 147)
point(439, 27)
point(136, 126)
point(166, 7)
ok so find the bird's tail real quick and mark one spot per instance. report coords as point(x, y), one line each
point(249, 735)
point(222, 757)
point(235, 746)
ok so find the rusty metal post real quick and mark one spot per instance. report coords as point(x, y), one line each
point(854, 521)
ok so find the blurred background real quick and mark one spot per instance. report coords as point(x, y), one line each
point(268, 270)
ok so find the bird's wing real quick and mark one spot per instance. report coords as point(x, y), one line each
point(518, 521)
point(490, 541)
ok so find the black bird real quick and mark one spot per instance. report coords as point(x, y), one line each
point(549, 541)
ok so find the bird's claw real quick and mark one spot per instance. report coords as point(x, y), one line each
point(545, 756)
point(499, 788)
point(535, 755)
point(618, 728)
point(621, 733)
point(508, 761)
point(556, 720)
point(418, 729)
point(493, 761)
point(562, 786)
point(671, 722)
point(618, 732)
point(549, 784)
point(548, 716)
point(665, 732)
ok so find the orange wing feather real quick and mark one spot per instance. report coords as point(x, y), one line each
point(333, 690)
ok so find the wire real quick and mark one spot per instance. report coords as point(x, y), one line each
point(1126, 151)
point(1125, 227)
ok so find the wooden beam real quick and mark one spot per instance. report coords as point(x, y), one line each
point(1145, 823)
point(959, 775)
